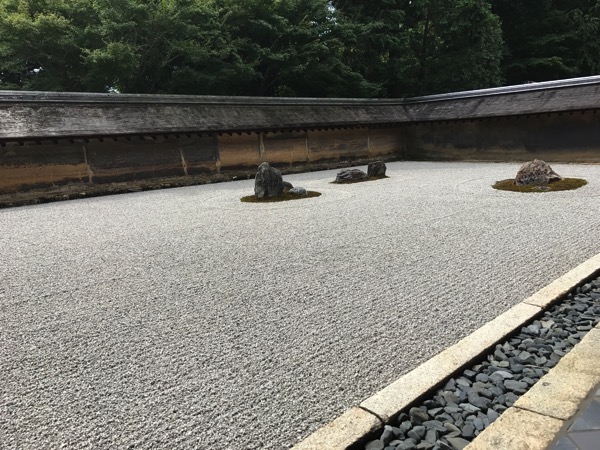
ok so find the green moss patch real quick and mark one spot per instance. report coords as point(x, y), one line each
point(362, 180)
point(286, 196)
point(567, 184)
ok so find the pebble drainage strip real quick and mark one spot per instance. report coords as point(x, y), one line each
point(470, 402)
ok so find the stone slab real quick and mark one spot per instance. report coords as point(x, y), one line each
point(559, 393)
point(353, 425)
point(518, 429)
point(559, 287)
point(549, 404)
point(585, 357)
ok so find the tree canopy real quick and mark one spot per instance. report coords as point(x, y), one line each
point(317, 48)
point(548, 40)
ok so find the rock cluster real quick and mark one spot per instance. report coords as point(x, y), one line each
point(468, 403)
point(269, 183)
point(350, 175)
point(536, 172)
point(374, 169)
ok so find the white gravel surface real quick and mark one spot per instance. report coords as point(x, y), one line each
point(184, 318)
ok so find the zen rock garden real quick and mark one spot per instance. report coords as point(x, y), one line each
point(375, 171)
point(270, 187)
point(538, 176)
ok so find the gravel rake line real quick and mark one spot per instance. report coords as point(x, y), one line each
point(184, 318)
point(468, 403)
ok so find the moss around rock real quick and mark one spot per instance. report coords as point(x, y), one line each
point(566, 184)
point(286, 196)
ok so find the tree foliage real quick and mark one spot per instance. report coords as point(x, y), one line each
point(549, 39)
point(320, 48)
point(290, 47)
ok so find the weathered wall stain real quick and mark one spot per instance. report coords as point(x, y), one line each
point(559, 137)
point(115, 160)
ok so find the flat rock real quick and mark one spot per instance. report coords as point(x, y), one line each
point(502, 375)
point(513, 385)
point(431, 436)
point(408, 444)
point(434, 425)
point(458, 443)
point(350, 175)
point(417, 433)
point(375, 445)
point(479, 402)
point(468, 430)
point(418, 416)
point(300, 191)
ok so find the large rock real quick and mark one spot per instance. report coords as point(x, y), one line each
point(536, 172)
point(350, 175)
point(376, 169)
point(268, 181)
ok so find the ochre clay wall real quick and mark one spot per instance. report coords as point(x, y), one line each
point(54, 163)
point(31, 165)
point(556, 137)
point(47, 164)
point(284, 149)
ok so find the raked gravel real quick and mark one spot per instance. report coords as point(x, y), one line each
point(184, 318)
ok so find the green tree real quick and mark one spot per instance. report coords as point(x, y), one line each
point(155, 46)
point(377, 44)
point(411, 47)
point(585, 22)
point(290, 47)
point(464, 47)
point(277, 47)
point(549, 39)
point(40, 46)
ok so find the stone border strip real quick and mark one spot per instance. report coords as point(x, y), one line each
point(536, 419)
point(358, 422)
